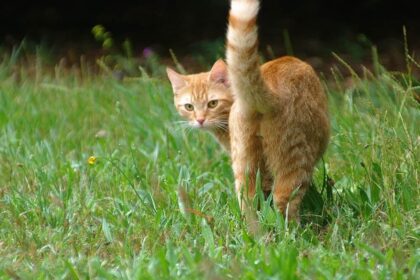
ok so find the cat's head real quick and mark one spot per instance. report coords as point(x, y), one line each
point(204, 99)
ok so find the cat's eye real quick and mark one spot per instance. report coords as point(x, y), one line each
point(189, 107)
point(212, 104)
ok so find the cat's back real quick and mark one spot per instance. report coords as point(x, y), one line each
point(298, 104)
point(288, 76)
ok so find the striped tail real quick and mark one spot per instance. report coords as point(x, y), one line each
point(242, 55)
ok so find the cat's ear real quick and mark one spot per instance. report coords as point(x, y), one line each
point(219, 73)
point(178, 81)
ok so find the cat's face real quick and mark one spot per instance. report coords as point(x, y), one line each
point(203, 100)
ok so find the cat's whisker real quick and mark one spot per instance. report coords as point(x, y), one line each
point(189, 129)
point(220, 124)
point(183, 123)
point(217, 123)
point(224, 125)
point(177, 128)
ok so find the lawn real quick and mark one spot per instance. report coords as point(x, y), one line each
point(97, 180)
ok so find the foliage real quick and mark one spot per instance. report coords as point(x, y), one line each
point(120, 61)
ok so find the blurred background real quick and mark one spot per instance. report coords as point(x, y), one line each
point(195, 30)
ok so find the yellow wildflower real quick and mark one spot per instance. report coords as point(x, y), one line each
point(91, 160)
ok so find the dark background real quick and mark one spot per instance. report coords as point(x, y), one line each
point(314, 26)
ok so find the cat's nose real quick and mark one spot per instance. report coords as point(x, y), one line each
point(200, 121)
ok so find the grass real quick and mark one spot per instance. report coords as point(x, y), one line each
point(159, 203)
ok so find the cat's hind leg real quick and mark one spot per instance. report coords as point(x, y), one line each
point(288, 192)
point(291, 163)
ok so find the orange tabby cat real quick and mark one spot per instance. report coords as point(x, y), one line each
point(278, 123)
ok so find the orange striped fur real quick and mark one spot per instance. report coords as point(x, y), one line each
point(279, 120)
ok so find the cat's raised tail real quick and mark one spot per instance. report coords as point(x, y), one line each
point(242, 56)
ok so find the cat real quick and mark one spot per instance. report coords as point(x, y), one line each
point(277, 113)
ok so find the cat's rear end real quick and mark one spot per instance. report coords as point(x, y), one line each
point(279, 121)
